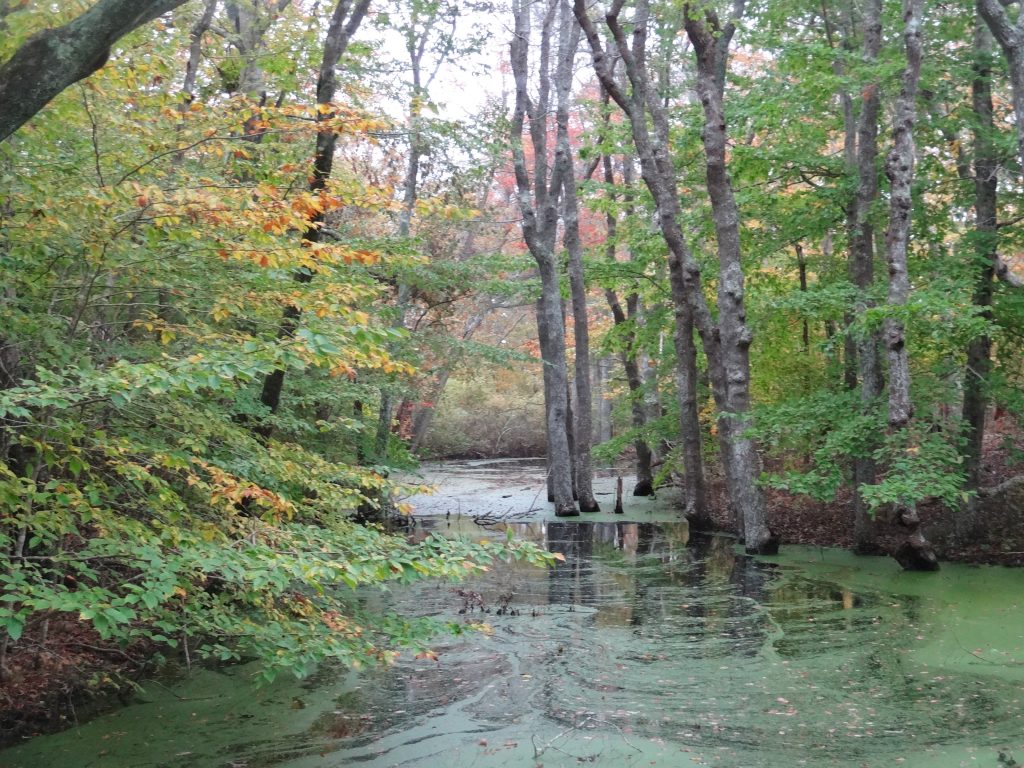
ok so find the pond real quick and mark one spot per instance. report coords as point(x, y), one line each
point(644, 648)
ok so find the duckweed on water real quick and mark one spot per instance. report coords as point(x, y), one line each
point(642, 648)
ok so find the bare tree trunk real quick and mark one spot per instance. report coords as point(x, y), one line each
point(862, 270)
point(582, 415)
point(915, 553)
point(538, 201)
point(658, 173)
point(711, 44)
point(694, 488)
point(979, 351)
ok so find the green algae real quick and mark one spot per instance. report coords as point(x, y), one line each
point(643, 648)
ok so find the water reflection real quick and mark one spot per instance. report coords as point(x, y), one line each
point(646, 646)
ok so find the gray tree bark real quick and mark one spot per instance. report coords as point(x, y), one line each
point(984, 252)
point(538, 200)
point(862, 268)
point(583, 432)
point(53, 59)
point(1010, 35)
point(739, 455)
point(711, 45)
point(915, 553)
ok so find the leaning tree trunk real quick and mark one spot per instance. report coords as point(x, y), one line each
point(50, 61)
point(1010, 35)
point(984, 251)
point(915, 553)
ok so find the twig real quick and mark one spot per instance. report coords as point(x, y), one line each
point(180, 698)
point(537, 752)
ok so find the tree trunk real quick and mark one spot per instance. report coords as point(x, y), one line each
point(51, 60)
point(602, 375)
point(658, 173)
point(710, 42)
point(979, 351)
point(644, 475)
point(538, 201)
point(862, 271)
point(1010, 35)
point(694, 489)
point(584, 407)
point(915, 553)
point(344, 23)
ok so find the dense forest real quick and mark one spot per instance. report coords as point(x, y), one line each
point(259, 257)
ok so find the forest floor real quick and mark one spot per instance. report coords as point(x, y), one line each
point(998, 538)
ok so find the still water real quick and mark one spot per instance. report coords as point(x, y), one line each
point(644, 648)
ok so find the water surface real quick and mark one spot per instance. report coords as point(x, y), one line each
point(643, 648)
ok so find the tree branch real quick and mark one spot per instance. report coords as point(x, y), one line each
point(53, 59)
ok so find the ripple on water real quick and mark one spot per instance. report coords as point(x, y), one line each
point(642, 648)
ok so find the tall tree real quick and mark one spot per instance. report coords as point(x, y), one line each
point(916, 552)
point(644, 109)
point(344, 22)
point(1009, 33)
point(583, 437)
point(861, 263)
point(984, 257)
point(538, 200)
point(711, 41)
point(429, 29)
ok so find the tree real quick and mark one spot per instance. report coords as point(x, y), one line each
point(739, 455)
point(344, 22)
point(986, 185)
point(865, 346)
point(582, 414)
point(915, 553)
point(538, 200)
point(55, 58)
point(1010, 35)
point(147, 252)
